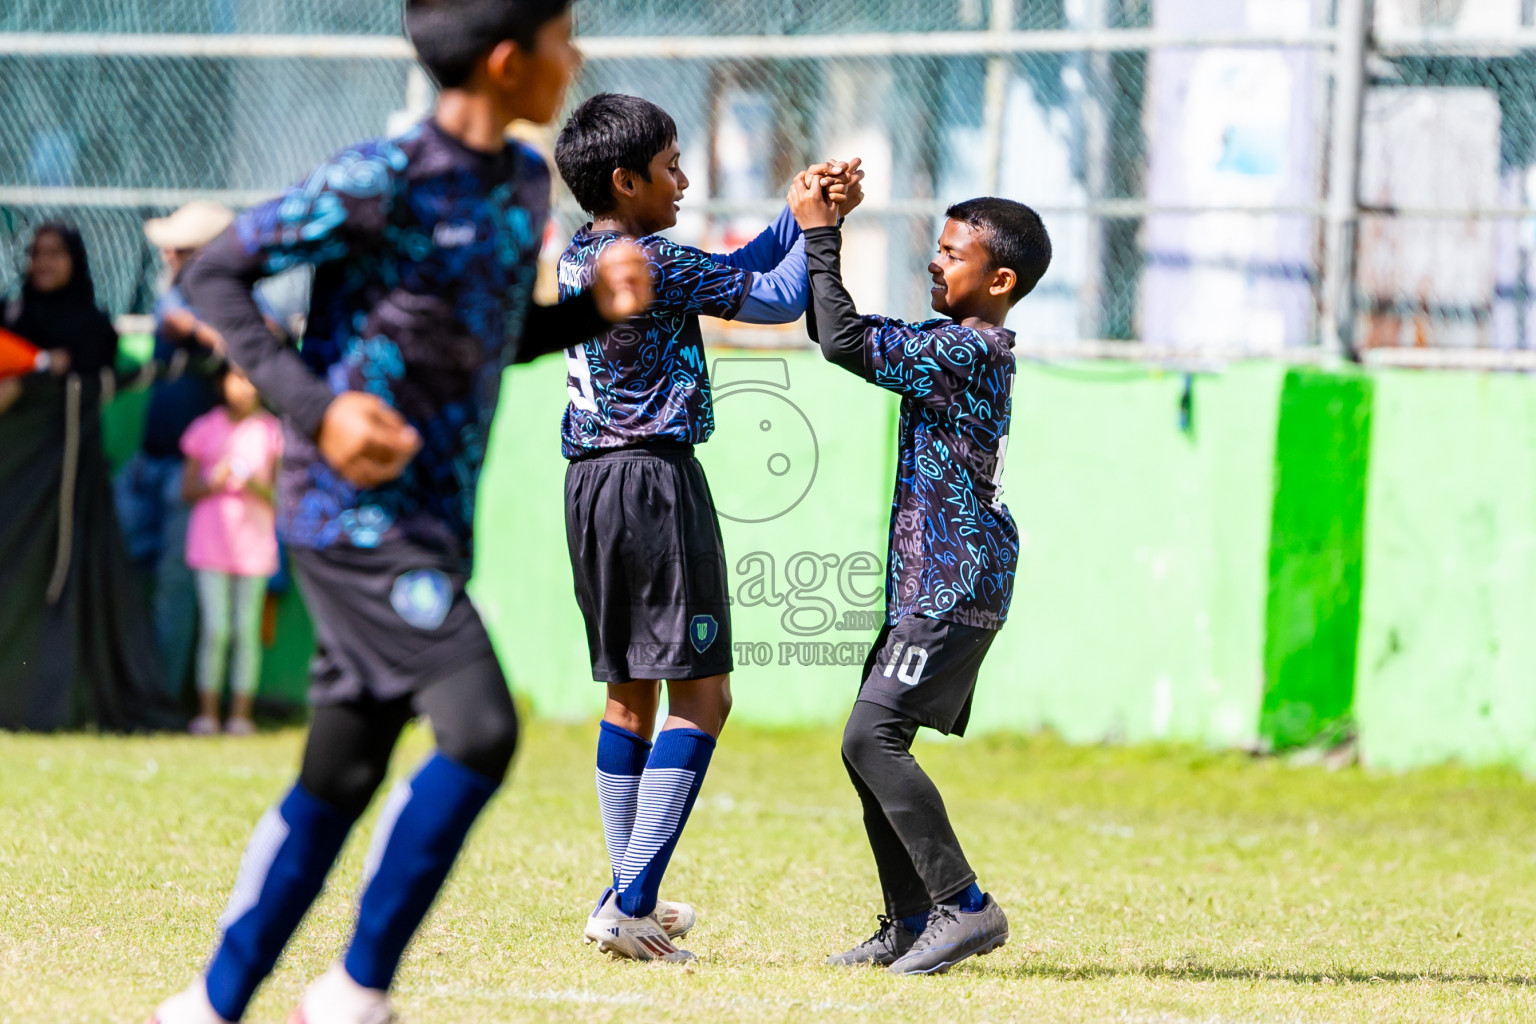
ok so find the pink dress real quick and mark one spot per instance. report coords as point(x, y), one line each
point(233, 531)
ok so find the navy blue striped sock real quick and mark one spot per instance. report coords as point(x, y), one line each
point(621, 757)
point(668, 789)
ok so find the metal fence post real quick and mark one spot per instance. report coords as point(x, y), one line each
point(1337, 315)
point(998, 66)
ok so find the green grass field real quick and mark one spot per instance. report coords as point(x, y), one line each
point(1143, 885)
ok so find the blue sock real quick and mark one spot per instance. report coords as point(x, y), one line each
point(283, 870)
point(668, 789)
point(621, 757)
point(971, 900)
point(420, 830)
point(916, 923)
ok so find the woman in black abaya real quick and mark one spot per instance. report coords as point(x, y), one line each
point(76, 646)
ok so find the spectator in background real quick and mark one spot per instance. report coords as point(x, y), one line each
point(56, 310)
point(75, 644)
point(231, 468)
point(148, 491)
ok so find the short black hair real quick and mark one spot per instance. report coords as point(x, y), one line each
point(1013, 235)
point(607, 132)
point(451, 36)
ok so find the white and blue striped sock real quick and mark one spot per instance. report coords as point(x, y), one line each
point(621, 757)
point(667, 792)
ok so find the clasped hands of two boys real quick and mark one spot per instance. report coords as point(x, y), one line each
point(369, 443)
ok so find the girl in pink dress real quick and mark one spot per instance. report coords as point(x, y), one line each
point(232, 455)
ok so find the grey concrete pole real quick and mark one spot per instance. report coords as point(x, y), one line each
point(1337, 313)
point(996, 100)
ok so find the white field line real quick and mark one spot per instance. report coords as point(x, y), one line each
point(515, 994)
point(587, 997)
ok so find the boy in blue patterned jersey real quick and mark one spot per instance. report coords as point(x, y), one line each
point(953, 551)
point(644, 539)
point(425, 249)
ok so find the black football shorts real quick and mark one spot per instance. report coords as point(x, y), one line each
point(926, 670)
point(389, 621)
point(649, 565)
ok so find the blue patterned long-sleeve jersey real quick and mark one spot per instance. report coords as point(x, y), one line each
point(646, 380)
point(425, 254)
point(953, 545)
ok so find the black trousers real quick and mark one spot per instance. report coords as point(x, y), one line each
point(916, 851)
point(473, 720)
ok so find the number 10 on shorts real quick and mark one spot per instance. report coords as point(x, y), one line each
point(911, 670)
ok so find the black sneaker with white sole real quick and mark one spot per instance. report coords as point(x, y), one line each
point(952, 935)
point(884, 947)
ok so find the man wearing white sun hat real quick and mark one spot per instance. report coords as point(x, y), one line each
point(148, 490)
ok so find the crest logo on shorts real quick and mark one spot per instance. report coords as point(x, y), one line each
point(422, 598)
point(702, 632)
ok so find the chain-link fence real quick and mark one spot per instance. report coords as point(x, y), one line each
point(1179, 149)
point(1448, 173)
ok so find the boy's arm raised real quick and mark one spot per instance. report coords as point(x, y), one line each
point(832, 319)
point(768, 249)
point(780, 295)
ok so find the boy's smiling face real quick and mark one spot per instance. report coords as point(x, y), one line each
point(652, 205)
point(965, 284)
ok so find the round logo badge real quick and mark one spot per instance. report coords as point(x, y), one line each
point(422, 598)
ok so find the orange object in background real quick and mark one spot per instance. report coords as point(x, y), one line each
point(18, 356)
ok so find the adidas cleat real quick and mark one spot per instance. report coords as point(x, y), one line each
point(190, 1006)
point(676, 919)
point(334, 998)
point(634, 938)
point(953, 935)
point(884, 947)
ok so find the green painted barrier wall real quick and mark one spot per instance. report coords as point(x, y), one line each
point(1447, 661)
point(1139, 606)
point(1315, 557)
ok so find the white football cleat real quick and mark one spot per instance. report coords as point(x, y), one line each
point(334, 998)
point(676, 919)
point(189, 1006)
point(634, 938)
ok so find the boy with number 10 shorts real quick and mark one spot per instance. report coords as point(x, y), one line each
point(953, 552)
point(425, 249)
point(645, 545)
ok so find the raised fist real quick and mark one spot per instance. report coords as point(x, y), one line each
point(622, 288)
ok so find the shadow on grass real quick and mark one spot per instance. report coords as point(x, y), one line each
point(1199, 972)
